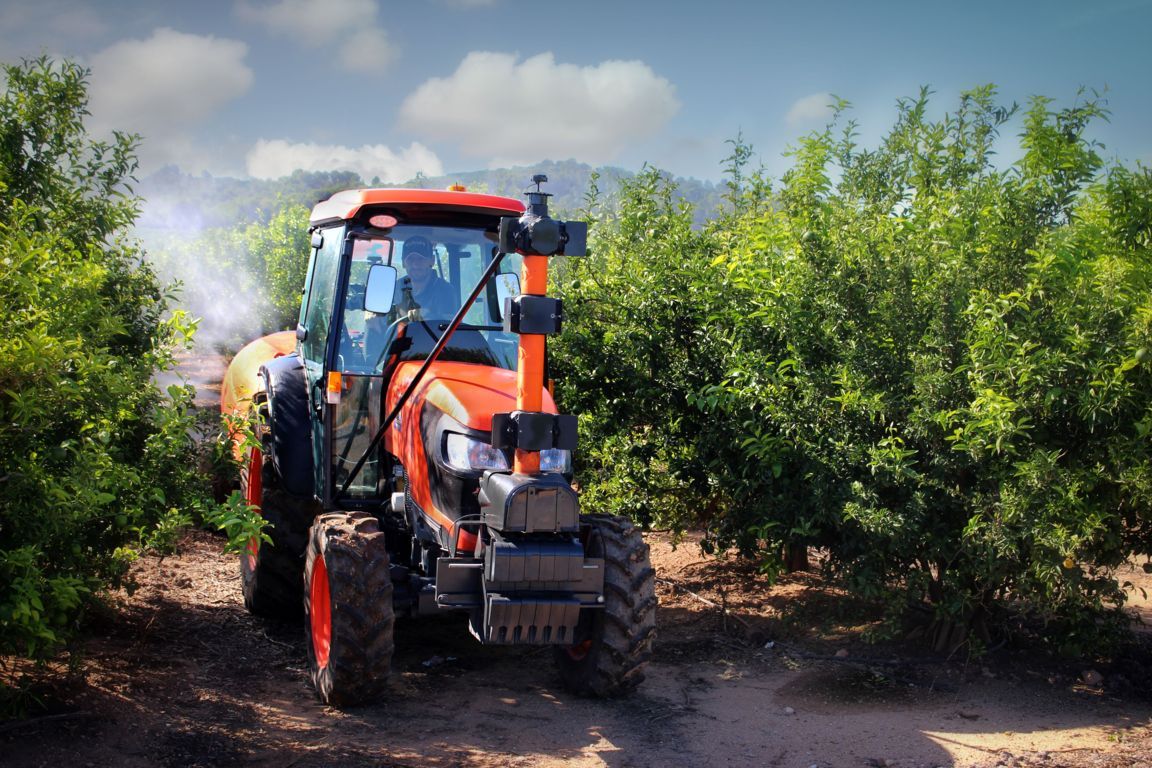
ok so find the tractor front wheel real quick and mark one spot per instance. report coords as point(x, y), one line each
point(613, 643)
point(348, 602)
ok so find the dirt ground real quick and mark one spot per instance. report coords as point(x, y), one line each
point(178, 674)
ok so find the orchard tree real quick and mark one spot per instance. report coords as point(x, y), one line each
point(949, 358)
point(279, 249)
point(933, 366)
point(635, 349)
point(97, 462)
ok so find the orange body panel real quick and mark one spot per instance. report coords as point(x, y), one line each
point(467, 392)
point(242, 380)
point(346, 205)
point(530, 359)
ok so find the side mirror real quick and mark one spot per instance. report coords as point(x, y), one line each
point(380, 289)
point(507, 286)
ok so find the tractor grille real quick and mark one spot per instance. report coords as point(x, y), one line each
point(533, 565)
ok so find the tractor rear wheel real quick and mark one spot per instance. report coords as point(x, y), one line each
point(613, 643)
point(348, 602)
point(271, 574)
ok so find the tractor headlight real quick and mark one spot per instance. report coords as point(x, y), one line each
point(464, 454)
point(556, 460)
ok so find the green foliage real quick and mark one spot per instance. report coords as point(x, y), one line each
point(281, 247)
point(936, 368)
point(635, 349)
point(241, 523)
point(97, 461)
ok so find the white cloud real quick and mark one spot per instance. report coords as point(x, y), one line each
point(817, 106)
point(164, 86)
point(312, 22)
point(271, 159)
point(516, 113)
point(350, 25)
point(366, 50)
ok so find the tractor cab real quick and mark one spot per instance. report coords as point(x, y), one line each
point(378, 297)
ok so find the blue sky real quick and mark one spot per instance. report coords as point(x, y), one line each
point(391, 87)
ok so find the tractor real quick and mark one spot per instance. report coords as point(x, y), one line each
point(411, 459)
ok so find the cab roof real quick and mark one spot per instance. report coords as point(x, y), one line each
point(349, 204)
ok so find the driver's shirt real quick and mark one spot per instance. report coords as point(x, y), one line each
point(437, 300)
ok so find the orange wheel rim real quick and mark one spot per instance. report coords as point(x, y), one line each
point(253, 496)
point(320, 610)
point(252, 552)
point(579, 651)
point(255, 489)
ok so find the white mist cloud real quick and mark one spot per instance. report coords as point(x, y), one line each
point(816, 106)
point(164, 86)
point(522, 112)
point(271, 159)
point(350, 25)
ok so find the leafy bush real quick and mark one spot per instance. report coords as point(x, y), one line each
point(935, 368)
point(280, 251)
point(97, 461)
point(635, 349)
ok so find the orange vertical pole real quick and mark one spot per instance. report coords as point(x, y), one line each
point(530, 360)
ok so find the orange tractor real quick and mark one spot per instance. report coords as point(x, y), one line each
point(411, 457)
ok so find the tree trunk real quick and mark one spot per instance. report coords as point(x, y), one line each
point(796, 558)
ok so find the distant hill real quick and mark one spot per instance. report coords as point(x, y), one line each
point(176, 202)
point(568, 183)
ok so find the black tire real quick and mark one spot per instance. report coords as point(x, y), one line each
point(613, 643)
point(271, 574)
point(348, 603)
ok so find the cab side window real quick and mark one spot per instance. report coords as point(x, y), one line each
point(321, 295)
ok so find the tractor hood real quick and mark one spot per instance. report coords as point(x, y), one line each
point(467, 392)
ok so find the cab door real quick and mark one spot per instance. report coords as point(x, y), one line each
point(317, 344)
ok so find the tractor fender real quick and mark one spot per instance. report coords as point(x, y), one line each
point(289, 424)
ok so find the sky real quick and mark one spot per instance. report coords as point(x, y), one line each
point(392, 88)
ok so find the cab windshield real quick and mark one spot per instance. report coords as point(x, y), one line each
point(437, 267)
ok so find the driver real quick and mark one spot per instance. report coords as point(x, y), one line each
point(436, 297)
